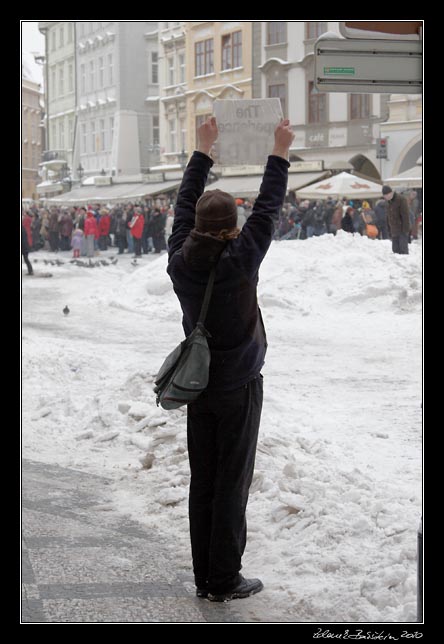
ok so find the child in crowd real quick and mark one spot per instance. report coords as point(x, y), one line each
point(76, 242)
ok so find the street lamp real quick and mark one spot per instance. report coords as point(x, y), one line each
point(182, 157)
point(80, 172)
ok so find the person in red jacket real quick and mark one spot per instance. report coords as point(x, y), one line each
point(136, 226)
point(104, 226)
point(27, 221)
point(91, 233)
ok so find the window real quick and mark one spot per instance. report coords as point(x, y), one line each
point(53, 40)
point(83, 79)
point(61, 36)
point(101, 72)
point(91, 75)
point(69, 31)
point(61, 80)
point(93, 136)
point(70, 77)
point(53, 142)
point(102, 135)
point(154, 67)
point(171, 71)
point(181, 68)
point(84, 142)
point(204, 57)
point(317, 105)
point(277, 33)
point(111, 130)
point(279, 91)
point(359, 106)
point(53, 81)
point(70, 133)
point(172, 129)
point(315, 29)
point(110, 69)
point(156, 132)
point(61, 135)
point(237, 49)
point(226, 52)
point(82, 29)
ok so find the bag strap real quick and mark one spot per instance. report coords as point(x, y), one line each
point(207, 297)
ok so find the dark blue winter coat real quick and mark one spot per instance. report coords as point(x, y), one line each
point(238, 341)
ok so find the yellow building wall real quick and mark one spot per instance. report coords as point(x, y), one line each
point(224, 84)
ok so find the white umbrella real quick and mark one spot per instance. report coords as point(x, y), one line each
point(340, 185)
point(411, 178)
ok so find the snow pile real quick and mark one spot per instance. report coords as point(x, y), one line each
point(335, 500)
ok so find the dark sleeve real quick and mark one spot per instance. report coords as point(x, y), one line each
point(191, 188)
point(250, 247)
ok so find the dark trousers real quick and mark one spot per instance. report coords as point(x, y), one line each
point(27, 262)
point(400, 244)
point(222, 436)
point(137, 247)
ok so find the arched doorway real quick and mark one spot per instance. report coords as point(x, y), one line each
point(364, 166)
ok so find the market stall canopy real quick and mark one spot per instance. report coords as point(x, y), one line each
point(112, 193)
point(411, 178)
point(341, 185)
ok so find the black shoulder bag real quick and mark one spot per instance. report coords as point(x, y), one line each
point(184, 374)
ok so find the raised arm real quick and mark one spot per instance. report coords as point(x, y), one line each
point(257, 234)
point(193, 185)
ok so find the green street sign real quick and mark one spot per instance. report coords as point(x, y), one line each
point(344, 71)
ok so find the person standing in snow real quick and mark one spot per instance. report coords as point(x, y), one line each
point(136, 226)
point(398, 220)
point(223, 423)
point(25, 250)
point(91, 233)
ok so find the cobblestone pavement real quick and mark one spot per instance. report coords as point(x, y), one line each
point(84, 562)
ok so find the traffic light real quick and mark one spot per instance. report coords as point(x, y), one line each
point(381, 148)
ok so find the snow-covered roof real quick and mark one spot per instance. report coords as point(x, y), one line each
point(31, 71)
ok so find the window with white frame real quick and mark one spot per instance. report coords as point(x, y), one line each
point(61, 80)
point(53, 141)
point(171, 70)
point(53, 81)
point(84, 142)
point(70, 77)
point(181, 68)
point(70, 31)
point(276, 32)
point(111, 130)
point(92, 128)
point(61, 134)
point(154, 67)
point(172, 130)
point(53, 40)
point(62, 36)
point(91, 75)
point(70, 133)
point(110, 70)
point(102, 135)
point(101, 72)
point(232, 50)
point(156, 131)
point(183, 134)
point(83, 78)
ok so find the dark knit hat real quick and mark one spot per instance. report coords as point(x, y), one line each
point(215, 211)
point(386, 190)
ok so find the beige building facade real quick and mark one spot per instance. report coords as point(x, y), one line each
point(403, 131)
point(219, 66)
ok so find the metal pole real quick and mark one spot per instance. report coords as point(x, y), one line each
point(419, 617)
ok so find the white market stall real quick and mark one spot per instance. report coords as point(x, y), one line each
point(341, 185)
point(411, 178)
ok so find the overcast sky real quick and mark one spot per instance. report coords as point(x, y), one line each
point(32, 39)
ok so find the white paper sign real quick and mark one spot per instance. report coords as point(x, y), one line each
point(246, 130)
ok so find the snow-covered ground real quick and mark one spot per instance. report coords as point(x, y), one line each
point(336, 497)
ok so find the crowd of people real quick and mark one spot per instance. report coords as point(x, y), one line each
point(88, 230)
point(139, 229)
point(302, 219)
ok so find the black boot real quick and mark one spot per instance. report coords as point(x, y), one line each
point(244, 588)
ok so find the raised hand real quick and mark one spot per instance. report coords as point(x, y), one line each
point(207, 134)
point(283, 138)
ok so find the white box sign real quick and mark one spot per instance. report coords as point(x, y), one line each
point(246, 130)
